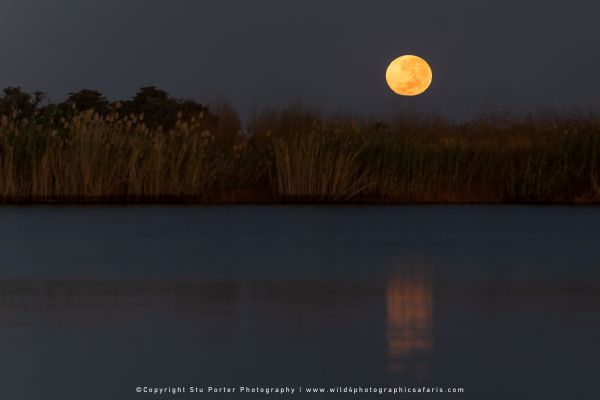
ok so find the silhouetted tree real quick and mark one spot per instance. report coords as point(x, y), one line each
point(22, 104)
point(160, 109)
point(87, 99)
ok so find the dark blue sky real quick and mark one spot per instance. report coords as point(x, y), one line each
point(510, 55)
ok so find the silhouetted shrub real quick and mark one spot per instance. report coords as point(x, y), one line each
point(160, 110)
point(19, 103)
point(150, 107)
point(86, 99)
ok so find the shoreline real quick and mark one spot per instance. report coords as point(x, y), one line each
point(178, 201)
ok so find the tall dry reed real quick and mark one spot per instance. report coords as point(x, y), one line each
point(294, 156)
point(107, 158)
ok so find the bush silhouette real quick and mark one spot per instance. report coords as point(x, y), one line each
point(151, 107)
point(21, 104)
point(160, 110)
point(86, 99)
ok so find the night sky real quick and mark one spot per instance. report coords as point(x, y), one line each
point(486, 55)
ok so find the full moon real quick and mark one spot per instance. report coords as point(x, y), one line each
point(408, 75)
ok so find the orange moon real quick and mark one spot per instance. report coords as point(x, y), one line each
point(408, 75)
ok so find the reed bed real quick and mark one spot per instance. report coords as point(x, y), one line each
point(92, 158)
point(292, 156)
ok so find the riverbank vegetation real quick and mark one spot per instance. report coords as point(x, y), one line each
point(154, 148)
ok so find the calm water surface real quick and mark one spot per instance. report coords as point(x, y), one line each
point(501, 301)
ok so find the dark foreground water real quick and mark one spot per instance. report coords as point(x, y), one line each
point(501, 301)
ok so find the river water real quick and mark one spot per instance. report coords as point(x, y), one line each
point(501, 301)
